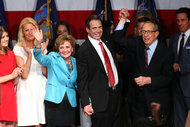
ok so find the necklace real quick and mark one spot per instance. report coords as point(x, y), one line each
point(69, 65)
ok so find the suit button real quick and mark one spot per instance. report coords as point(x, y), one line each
point(65, 85)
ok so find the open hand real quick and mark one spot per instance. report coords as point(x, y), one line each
point(38, 35)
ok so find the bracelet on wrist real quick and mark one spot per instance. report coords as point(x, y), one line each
point(37, 47)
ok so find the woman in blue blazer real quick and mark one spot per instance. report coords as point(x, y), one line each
point(60, 98)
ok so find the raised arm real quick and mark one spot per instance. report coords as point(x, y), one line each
point(119, 33)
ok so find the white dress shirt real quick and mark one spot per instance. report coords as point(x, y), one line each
point(96, 45)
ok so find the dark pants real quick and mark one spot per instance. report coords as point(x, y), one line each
point(110, 117)
point(59, 114)
point(180, 109)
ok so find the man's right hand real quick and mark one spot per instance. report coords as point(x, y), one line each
point(88, 110)
point(176, 67)
point(123, 15)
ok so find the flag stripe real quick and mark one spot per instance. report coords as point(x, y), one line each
point(74, 5)
point(76, 19)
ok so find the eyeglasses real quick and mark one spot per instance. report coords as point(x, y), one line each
point(147, 31)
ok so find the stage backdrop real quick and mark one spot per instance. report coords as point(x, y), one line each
point(75, 13)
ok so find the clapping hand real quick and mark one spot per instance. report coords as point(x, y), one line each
point(26, 49)
point(17, 72)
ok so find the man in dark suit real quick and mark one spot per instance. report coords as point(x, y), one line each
point(98, 79)
point(180, 44)
point(152, 72)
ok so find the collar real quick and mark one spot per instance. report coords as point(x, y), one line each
point(152, 47)
point(58, 54)
point(187, 33)
point(94, 41)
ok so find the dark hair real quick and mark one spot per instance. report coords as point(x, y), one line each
point(143, 19)
point(106, 25)
point(61, 23)
point(55, 35)
point(90, 18)
point(1, 34)
point(184, 10)
point(145, 13)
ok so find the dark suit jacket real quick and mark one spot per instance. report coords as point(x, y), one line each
point(184, 63)
point(160, 70)
point(92, 78)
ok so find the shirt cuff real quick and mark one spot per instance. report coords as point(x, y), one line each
point(119, 27)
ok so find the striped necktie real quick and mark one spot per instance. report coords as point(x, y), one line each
point(146, 56)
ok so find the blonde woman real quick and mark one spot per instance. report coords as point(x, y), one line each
point(31, 86)
point(9, 73)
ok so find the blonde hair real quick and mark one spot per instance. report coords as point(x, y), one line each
point(1, 34)
point(21, 38)
point(61, 40)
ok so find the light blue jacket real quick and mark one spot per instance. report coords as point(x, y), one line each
point(60, 80)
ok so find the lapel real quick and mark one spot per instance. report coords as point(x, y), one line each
point(176, 43)
point(111, 51)
point(156, 55)
point(187, 42)
point(92, 53)
point(74, 66)
point(141, 56)
point(63, 66)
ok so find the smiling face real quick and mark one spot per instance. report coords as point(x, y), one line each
point(28, 31)
point(62, 29)
point(4, 40)
point(183, 22)
point(65, 49)
point(149, 34)
point(95, 30)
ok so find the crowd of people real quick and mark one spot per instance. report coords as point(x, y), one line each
point(111, 80)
